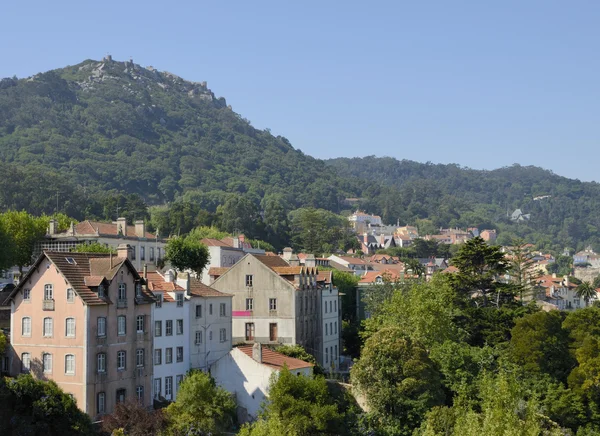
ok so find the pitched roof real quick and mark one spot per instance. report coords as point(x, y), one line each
point(352, 260)
point(88, 227)
point(274, 359)
point(79, 267)
point(325, 276)
point(271, 261)
point(199, 289)
point(288, 270)
point(217, 270)
point(371, 276)
point(338, 266)
point(212, 242)
point(158, 284)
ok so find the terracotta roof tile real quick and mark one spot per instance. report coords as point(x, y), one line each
point(93, 280)
point(371, 276)
point(276, 360)
point(88, 227)
point(325, 276)
point(217, 270)
point(271, 261)
point(158, 284)
point(211, 242)
point(199, 289)
point(288, 270)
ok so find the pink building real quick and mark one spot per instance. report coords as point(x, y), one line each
point(83, 320)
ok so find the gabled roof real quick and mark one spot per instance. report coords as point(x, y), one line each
point(325, 276)
point(275, 360)
point(352, 260)
point(199, 289)
point(271, 261)
point(288, 270)
point(158, 284)
point(371, 276)
point(79, 267)
point(211, 242)
point(88, 227)
point(217, 270)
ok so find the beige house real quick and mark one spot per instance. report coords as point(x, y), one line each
point(83, 320)
point(273, 302)
point(146, 248)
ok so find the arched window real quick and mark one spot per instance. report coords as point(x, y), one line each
point(70, 328)
point(48, 327)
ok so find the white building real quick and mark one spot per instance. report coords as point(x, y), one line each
point(330, 316)
point(210, 324)
point(171, 334)
point(246, 372)
point(146, 248)
point(221, 255)
point(359, 220)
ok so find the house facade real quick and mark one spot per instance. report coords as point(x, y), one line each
point(83, 320)
point(273, 302)
point(331, 322)
point(146, 248)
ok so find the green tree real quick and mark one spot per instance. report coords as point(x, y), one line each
point(93, 247)
point(523, 271)
point(37, 407)
point(479, 264)
point(298, 352)
point(414, 266)
point(540, 345)
point(298, 406)
point(201, 408)
point(24, 230)
point(399, 381)
point(187, 253)
point(2, 342)
point(133, 419)
point(586, 291)
point(238, 215)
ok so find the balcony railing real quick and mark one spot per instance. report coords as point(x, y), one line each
point(122, 303)
point(48, 305)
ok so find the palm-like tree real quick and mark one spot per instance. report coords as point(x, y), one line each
point(586, 291)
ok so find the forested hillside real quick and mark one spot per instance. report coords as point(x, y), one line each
point(107, 136)
point(565, 213)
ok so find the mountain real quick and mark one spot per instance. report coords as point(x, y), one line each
point(81, 138)
point(106, 125)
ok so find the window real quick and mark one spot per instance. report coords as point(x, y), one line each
point(210, 309)
point(70, 295)
point(47, 362)
point(139, 323)
point(101, 327)
point(178, 380)
point(326, 355)
point(139, 357)
point(122, 292)
point(158, 300)
point(179, 326)
point(326, 307)
point(222, 309)
point(249, 303)
point(210, 335)
point(69, 364)
point(101, 403)
point(272, 332)
point(151, 253)
point(48, 327)
point(101, 291)
point(26, 294)
point(121, 395)
point(168, 355)
point(331, 327)
point(335, 306)
point(336, 352)
point(249, 331)
point(121, 325)
point(133, 252)
point(326, 330)
point(101, 362)
point(157, 386)
point(142, 253)
point(139, 393)
point(249, 280)
point(198, 311)
point(179, 355)
point(179, 298)
point(138, 290)
point(168, 387)
point(26, 326)
point(330, 302)
point(272, 303)
point(121, 362)
point(301, 307)
point(157, 328)
point(158, 356)
point(25, 362)
point(169, 327)
point(70, 328)
point(222, 335)
point(198, 337)
point(48, 292)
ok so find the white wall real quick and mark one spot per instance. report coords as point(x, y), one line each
point(331, 340)
point(221, 257)
point(210, 350)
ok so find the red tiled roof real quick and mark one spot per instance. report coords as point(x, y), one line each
point(325, 276)
point(217, 270)
point(276, 360)
point(93, 280)
point(211, 242)
point(371, 276)
point(287, 270)
point(199, 289)
point(352, 260)
point(88, 227)
point(271, 261)
point(451, 269)
point(158, 284)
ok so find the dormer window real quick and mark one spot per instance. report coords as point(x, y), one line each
point(101, 290)
point(179, 297)
point(379, 279)
point(70, 260)
point(138, 289)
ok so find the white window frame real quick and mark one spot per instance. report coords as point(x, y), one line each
point(179, 354)
point(198, 337)
point(121, 360)
point(179, 299)
point(168, 355)
point(139, 358)
point(122, 292)
point(101, 403)
point(222, 335)
point(223, 309)
point(70, 327)
point(47, 363)
point(169, 327)
point(27, 295)
point(157, 384)
point(101, 327)
point(250, 304)
point(121, 325)
point(70, 295)
point(139, 393)
point(157, 329)
point(25, 362)
point(48, 327)
point(158, 356)
point(70, 364)
point(169, 387)
point(26, 326)
point(140, 321)
point(159, 300)
point(179, 327)
point(101, 363)
point(249, 280)
point(272, 304)
point(48, 292)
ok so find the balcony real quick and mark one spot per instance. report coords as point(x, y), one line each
point(48, 305)
point(122, 303)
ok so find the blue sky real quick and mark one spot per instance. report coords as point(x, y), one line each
point(481, 84)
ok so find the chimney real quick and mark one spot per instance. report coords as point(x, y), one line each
point(310, 260)
point(145, 271)
point(122, 226)
point(53, 227)
point(287, 254)
point(236, 242)
point(140, 229)
point(123, 251)
point(567, 282)
point(242, 238)
point(257, 352)
point(169, 276)
point(382, 239)
point(183, 280)
point(366, 238)
point(294, 261)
